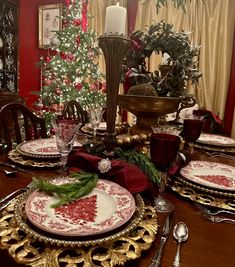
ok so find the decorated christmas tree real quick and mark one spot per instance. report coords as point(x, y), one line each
point(71, 72)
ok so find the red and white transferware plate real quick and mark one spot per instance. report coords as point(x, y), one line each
point(210, 174)
point(40, 148)
point(107, 207)
point(216, 140)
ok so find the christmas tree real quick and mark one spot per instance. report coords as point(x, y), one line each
point(72, 72)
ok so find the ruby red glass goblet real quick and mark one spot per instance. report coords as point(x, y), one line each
point(163, 150)
point(191, 131)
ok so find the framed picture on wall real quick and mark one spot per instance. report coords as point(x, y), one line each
point(50, 21)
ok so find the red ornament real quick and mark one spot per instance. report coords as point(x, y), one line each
point(47, 59)
point(78, 86)
point(77, 22)
point(47, 82)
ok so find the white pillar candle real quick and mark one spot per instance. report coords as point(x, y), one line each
point(115, 20)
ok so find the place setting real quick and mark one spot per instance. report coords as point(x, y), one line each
point(103, 218)
point(48, 152)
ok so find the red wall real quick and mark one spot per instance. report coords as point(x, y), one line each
point(29, 53)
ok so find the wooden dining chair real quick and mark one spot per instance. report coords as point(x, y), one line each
point(73, 109)
point(18, 123)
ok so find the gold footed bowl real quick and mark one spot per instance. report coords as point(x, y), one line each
point(147, 109)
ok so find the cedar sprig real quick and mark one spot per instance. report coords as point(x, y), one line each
point(84, 183)
point(141, 160)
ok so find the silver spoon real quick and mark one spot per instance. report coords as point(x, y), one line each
point(180, 233)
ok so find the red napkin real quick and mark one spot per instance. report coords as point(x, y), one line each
point(123, 173)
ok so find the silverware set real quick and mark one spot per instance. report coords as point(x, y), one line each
point(180, 233)
point(212, 215)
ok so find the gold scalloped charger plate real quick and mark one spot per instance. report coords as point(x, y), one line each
point(213, 175)
point(222, 149)
point(19, 159)
point(106, 208)
point(40, 148)
point(75, 241)
point(216, 140)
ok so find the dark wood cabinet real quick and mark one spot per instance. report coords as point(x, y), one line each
point(9, 21)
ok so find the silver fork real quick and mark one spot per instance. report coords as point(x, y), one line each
point(213, 212)
point(20, 190)
point(218, 219)
point(156, 261)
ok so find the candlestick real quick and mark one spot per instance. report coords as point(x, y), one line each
point(115, 20)
point(114, 47)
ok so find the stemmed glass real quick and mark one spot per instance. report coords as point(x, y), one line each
point(191, 131)
point(163, 150)
point(65, 131)
point(95, 116)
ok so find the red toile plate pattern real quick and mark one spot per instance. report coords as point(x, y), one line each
point(215, 140)
point(40, 148)
point(107, 207)
point(210, 174)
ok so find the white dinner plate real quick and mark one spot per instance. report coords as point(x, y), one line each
point(215, 140)
point(210, 174)
point(107, 207)
point(40, 148)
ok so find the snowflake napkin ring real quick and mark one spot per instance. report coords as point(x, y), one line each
point(104, 165)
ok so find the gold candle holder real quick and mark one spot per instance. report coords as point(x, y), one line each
point(114, 47)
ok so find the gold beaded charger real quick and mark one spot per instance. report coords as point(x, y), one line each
point(203, 195)
point(222, 149)
point(27, 249)
point(19, 159)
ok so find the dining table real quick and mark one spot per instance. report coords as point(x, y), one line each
point(209, 244)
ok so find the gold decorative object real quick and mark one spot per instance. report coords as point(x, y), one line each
point(114, 47)
point(147, 109)
point(27, 250)
point(199, 194)
point(25, 161)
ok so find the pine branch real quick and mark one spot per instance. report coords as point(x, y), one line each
point(84, 183)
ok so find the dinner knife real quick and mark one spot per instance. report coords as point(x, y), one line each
point(14, 167)
point(156, 261)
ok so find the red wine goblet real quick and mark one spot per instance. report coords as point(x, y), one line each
point(163, 150)
point(191, 131)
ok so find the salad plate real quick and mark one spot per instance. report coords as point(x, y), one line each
point(210, 174)
point(40, 148)
point(106, 208)
point(215, 140)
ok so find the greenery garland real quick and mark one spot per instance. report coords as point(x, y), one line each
point(84, 183)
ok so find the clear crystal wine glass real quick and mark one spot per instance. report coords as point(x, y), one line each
point(163, 150)
point(65, 132)
point(95, 116)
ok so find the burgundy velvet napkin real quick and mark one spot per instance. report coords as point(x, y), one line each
point(123, 173)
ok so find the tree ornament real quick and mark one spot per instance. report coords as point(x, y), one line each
point(58, 91)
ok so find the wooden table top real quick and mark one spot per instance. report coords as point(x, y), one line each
point(209, 244)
